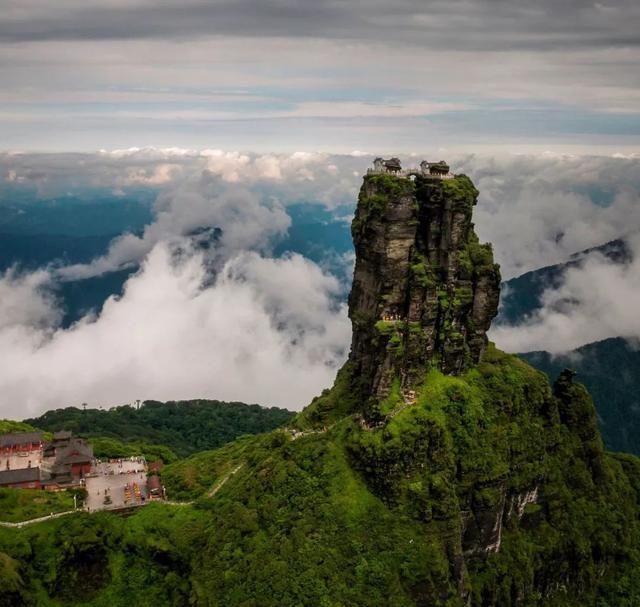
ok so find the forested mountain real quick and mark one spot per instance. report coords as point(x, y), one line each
point(437, 471)
point(610, 369)
point(185, 427)
point(521, 295)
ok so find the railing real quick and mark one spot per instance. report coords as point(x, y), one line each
point(32, 521)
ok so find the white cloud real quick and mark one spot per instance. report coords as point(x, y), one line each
point(537, 210)
point(245, 223)
point(25, 300)
point(205, 316)
point(161, 174)
point(266, 331)
point(596, 300)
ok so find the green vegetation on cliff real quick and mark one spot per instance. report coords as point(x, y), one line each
point(460, 190)
point(490, 486)
point(377, 192)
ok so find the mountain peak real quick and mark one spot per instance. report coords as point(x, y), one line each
point(424, 289)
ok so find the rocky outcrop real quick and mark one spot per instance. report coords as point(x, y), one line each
point(424, 289)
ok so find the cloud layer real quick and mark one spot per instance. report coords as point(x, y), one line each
point(240, 220)
point(210, 314)
point(267, 331)
point(536, 209)
point(595, 300)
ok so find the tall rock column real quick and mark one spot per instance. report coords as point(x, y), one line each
point(424, 289)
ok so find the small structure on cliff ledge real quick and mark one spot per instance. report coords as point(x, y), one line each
point(424, 289)
point(391, 166)
point(436, 170)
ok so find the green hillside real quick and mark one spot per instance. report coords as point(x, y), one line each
point(8, 426)
point(400, 515)
point(437, 472)
point(184, 427)
point(610, 369)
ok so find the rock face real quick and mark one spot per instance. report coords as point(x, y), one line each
point(424, 289)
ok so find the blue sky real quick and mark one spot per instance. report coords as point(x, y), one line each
point(282, 75)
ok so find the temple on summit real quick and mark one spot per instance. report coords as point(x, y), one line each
point(393, 166)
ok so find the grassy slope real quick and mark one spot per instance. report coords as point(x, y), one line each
point(21, 505)
point(354, 517)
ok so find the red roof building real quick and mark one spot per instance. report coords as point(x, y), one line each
point(20, 442)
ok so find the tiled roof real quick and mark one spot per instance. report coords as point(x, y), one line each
point(23, 475)
point(20, 438)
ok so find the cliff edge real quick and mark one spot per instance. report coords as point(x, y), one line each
point(424, 289)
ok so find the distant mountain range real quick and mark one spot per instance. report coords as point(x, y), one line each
point(610, 368)
point(521, 295)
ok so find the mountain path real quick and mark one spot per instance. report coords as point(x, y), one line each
point(223, 480)
point(33, 521)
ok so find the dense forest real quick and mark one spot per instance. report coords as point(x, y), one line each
point(610, 369)
point(349, 516)
point(185, 427)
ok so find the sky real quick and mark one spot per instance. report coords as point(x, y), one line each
point(329, 75)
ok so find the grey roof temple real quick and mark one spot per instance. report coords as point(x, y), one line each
point(392, 166)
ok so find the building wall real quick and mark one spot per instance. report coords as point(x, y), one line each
point(25, 485)
point(17, 448)
point(80, 469)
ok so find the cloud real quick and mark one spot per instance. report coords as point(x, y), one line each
point(287, 177)
point(237, 220)
point(26, 300)
point(205, 315)
point(596, 299)
point(537, 209)
point(265, 331)
point(480, 23)
point(285, 74)
point(210, 314)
